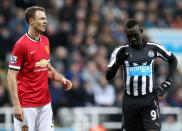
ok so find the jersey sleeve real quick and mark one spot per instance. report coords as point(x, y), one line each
point(170, 58)
point(17, 56)
point(163, 53)
point(113, 57)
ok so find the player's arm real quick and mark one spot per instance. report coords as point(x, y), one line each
point(54, 75)
point(111, 71)
point(12, 85)
point(112, 67)
point(172, 65)
point(117, 57)
point(168, 57)
point(172, 61)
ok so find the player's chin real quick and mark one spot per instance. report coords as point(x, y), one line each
point(43, 30)
point(135, 45)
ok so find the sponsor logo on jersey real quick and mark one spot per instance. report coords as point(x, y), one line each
point(47, 49)
point(151, 53)
point(140, 71)
point(13, 59)
point(42, 63)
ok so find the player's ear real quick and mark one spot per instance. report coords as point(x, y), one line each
point(30, 20)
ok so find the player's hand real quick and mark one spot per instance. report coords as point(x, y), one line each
point(67, 84)
point(164, 88)
point(121, 56)
point(161, 97)
point(18, 113)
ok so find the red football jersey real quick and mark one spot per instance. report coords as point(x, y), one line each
point(31, 58)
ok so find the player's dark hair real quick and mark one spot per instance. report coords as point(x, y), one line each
point(30, 12)
point(131, 23)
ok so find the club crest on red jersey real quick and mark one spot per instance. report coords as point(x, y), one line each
point(47, 49)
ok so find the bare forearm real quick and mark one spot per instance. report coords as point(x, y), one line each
point(54, 75)
point(12, 85)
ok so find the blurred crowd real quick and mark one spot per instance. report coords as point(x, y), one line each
point(82, 34)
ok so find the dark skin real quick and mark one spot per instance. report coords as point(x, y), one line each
point(134, 36)
point(135, 39)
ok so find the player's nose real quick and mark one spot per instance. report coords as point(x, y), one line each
point(45, 21)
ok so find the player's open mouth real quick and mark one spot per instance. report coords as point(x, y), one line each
point(44, 27)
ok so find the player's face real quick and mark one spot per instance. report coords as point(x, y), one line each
point(39, 22)
point(134, 36)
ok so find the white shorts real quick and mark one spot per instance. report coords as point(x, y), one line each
point(36, 118)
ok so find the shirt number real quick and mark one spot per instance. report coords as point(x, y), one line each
point(153, 114)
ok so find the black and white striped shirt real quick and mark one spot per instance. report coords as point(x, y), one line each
point(138, 68)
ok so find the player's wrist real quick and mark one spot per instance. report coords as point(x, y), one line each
point(16, 103)
point(165, 86)
point(17, 107)
point(168, 79)
point(59, 78)
point(62, 79)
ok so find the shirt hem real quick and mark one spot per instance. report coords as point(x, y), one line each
point(34, 105)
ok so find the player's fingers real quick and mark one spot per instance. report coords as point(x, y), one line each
point(68, 88)
point(19, 117)
point(63, 82)
point(160, 97)
point(68, 85)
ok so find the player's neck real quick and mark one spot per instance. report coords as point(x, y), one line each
point(34, 34)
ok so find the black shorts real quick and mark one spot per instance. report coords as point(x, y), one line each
point(141, 113)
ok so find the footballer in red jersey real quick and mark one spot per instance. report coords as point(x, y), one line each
point(28, 73)
point(31, 58)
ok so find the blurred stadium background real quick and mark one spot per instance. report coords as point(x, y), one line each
point(82, 34)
